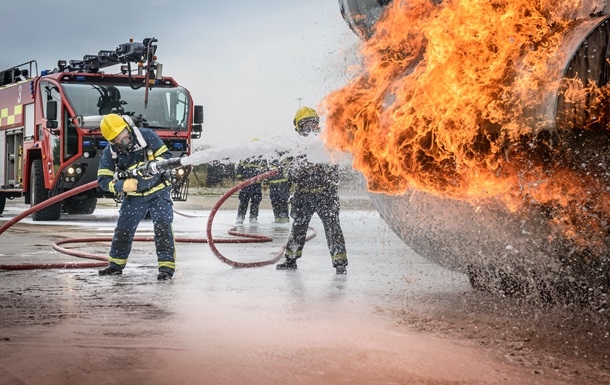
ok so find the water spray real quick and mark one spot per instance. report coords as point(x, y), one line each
point(270, 149)
point(273, 148)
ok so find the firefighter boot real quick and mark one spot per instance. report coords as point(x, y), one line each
point(164, 276)
point(110, 271)
point(288, 264)
point(239, 220)
point(340, 267)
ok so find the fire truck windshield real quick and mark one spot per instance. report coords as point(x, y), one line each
point(167, 107)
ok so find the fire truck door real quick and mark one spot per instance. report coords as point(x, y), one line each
point(52, 98)
point(3, 160)
point(14, 153)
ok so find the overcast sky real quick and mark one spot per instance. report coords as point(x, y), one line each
point(247, 62)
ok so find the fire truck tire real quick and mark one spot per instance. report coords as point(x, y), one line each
point(86, 206)
point(2, 202)
point(39, 194)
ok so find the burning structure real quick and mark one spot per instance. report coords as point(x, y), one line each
point(482, 129)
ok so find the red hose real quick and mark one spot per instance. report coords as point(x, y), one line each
point(255, 238)
point(46, 203)
point(103, 259)
point(232, 231)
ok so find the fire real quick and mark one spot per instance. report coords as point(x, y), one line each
point(449, 102)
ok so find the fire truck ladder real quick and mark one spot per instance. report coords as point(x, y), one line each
point(18, 73)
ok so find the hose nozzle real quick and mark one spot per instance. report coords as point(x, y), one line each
point(151, 168)
point(163, 165)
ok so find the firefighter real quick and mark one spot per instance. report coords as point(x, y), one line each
point(279, 190)
point(129, 147)
point(315, 191)
point(252, 194)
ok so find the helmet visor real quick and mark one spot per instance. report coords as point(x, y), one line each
point(308, 125)
point(122, 140)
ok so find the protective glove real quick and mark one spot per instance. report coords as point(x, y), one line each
point(130, 185)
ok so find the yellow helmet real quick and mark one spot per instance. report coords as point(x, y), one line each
point(112, 125)
point(305, 114)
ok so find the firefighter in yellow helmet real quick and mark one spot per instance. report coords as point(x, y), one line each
point(316, 188)
point(306, 121)
point(129, 147)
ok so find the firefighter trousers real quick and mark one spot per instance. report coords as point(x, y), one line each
point(253, 195)
point(133, 210)
point(279, 193)
point(326, 205)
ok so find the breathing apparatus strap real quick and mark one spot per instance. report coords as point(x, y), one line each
point(140, 144)
point(139, 138)
point(113, 153)
point(149, 156)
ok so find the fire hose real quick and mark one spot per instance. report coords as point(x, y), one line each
point(149, 168)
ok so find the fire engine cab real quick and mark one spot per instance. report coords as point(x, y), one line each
point(50, 141)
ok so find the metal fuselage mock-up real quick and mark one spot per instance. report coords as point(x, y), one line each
point(521, 252)
point(50, 141)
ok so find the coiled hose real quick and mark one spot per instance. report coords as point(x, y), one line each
point(102, 260)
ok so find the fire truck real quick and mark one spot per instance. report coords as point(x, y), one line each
point(50, 141)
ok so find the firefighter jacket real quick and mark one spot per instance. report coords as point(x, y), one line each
point(112, 161)
point(279, 165)
point(251, 167)
point(313, 177)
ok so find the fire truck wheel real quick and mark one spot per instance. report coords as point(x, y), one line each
point(38, 194)
point(85, 206)
point(2, 202)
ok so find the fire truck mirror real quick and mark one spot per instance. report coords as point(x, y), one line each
point(52, 111)
point(53, 127)
point(196, 133)
point(198, 118)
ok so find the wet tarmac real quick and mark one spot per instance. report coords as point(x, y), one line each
point(395, 318)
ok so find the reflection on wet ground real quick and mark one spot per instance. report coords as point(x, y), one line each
point(394, 319)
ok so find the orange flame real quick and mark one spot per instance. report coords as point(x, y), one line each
point(448, 103)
